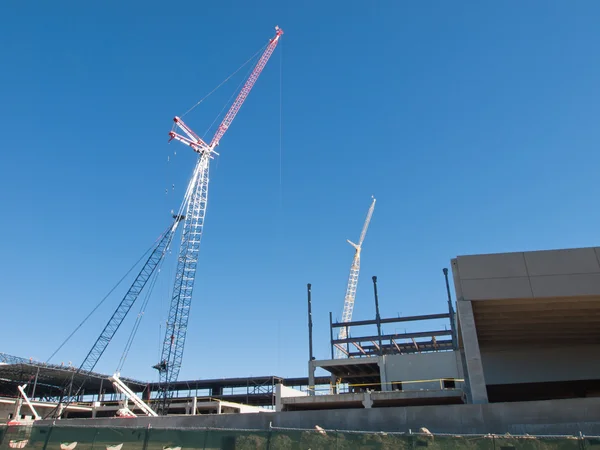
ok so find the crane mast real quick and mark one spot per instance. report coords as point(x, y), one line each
point(194, 204)
point(353, 281)
point(185, 274)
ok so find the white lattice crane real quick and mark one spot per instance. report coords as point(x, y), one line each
point(193, 209)
point(353, 281)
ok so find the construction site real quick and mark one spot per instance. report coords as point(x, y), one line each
point(513, 358)
point(511, 350)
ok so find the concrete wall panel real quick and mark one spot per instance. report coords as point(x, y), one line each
point(597, 251)
point(500, 265)
point(562, 262)
point(566, 285)
point(496, 288)
point(541, 274)
point(422, 366)
point(282, 391)
point(544, 417)
point(531, 365)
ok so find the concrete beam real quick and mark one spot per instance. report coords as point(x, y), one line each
point(345, 362)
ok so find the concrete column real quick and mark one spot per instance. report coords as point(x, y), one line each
point(32, 396)
point(311, 378)
point(474, 378)
point(333, 383)
point(384, 382)
point(194, 405)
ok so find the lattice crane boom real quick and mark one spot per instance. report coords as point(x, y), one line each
point(239, 101)
point(114, 323)
point(363, 233)
point(194, 204)
point(185, 274)
point(350, 296)
point(193, 140)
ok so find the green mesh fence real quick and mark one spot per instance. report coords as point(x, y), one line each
point(129, 438)
point(592, 443)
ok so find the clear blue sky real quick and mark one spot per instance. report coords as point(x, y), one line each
point(475, 124)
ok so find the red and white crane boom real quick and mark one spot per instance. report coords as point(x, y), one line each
point(239, 101)
point(193, 208)
point(193, 140)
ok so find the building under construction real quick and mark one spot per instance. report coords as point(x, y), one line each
point(518, 355)
point(514, 349)
point(527, 325)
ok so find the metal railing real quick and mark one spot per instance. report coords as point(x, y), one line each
point(407, 386)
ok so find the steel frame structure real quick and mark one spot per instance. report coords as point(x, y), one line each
point(11, 359)
point(46, 383)
point(369, 345)
point(382, 344)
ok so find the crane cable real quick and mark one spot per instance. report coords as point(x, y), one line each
point(196, 173)
point(139, 318)
point(189, 190)
point(231, 97)
point(223, 82)
point(281, 126)
point(103, 300)
point(259, 51)
point(225, 106)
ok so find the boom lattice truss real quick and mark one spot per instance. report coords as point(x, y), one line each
point(194, 204)
point(71, 391)
point(185, 275)
point(352, 284)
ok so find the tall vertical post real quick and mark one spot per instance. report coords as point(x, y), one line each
point(32, 395)
point(70, 386)
point(451, 311)
point(100, 396)
point(377, 316)
point(310, 322)
point(347, 343)
point(331, 332)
